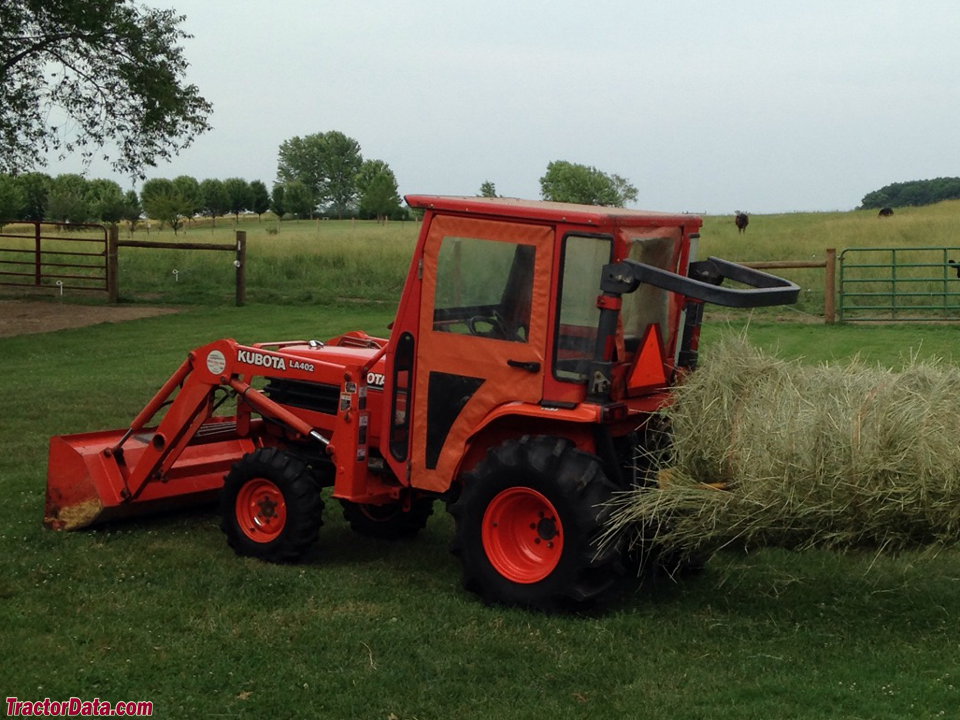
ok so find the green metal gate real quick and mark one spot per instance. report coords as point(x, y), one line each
point(906, 283)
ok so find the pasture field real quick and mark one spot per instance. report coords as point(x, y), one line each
point(160, 609)
point(342, 261)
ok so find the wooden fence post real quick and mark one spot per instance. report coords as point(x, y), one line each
point(37, 256)
point(830, 287)
point(241, 265)
point(113, 264)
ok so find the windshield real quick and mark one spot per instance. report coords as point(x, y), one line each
point(650, 305)
point(583, 259)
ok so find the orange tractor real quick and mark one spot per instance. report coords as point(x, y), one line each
point(532, 345)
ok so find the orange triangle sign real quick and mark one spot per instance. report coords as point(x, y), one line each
point(648, 364)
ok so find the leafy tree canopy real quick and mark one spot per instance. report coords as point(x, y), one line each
point(165, 202)
point(238, 195)
point(113, 70)
point(488, 189)
point(69, 199)
point(327, 164)
point(12, 199)
point(378, 190)
point(213, 199)
point(299, 199)
point(573, 183)
point(259, 197)
point(913, 192)
point(189, 190)
point(278, 204)
point(36, 193)
point(107, 201)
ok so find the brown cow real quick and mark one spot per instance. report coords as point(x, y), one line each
point(742, 220)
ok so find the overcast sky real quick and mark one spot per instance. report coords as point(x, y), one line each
point(763, 106)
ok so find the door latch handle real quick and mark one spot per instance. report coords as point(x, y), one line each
point(531, 367)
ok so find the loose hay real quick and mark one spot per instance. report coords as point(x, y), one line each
point(834, 456)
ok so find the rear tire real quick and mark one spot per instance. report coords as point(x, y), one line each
point(528, 520)
point(271, 506)
point(390, 521)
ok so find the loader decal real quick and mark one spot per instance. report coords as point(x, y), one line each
point(216, 362)
point(375, 380)
point(274, 362)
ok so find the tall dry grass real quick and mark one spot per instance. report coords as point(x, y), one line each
point(324, 260)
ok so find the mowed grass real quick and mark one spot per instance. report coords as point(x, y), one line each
point(160, 609)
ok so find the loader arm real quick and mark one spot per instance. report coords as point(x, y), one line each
point(188, 453)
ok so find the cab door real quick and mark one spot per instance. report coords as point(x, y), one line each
point(482, 334)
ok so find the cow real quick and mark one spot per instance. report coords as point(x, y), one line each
point(742, 220)
point(885, 212)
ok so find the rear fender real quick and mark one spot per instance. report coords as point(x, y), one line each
point(517, 419)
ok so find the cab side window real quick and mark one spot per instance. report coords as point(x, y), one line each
point(484, 288)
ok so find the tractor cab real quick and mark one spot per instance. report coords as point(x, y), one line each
point(500, 326)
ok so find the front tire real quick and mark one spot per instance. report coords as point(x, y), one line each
point(271, 506)
point(528, 520)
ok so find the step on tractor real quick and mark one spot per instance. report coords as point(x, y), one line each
point(533, 345)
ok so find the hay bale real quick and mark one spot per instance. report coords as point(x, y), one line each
point(835, 456)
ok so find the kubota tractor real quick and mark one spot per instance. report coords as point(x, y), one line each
point(532, 344)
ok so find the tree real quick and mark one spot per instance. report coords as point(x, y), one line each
point(213, 199)
point(68, 200)
point(488, 189)
point(165, 203)
point(378, 190)
point(107, 202)
point(259, 198)
point(913, 192)
point(115, 72)
point(626, 192)
point(238, 196)
point(343, 161)
point(299, 199)
point(189, 190)
point(11, 199)
point(278, 204)
point(573, 183)
point(327, 164)
point(132, 209)
point(300, 160)
point(36, 193)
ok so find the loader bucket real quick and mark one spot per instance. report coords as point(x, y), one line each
point(87, 477)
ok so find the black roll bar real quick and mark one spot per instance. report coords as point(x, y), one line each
point(702, 286)
point(703, 283)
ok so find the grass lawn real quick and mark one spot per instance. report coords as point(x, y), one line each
point(160, 609)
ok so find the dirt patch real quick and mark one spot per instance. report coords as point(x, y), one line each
point(22, 317)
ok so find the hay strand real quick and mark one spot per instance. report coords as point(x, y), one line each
point(835, 456)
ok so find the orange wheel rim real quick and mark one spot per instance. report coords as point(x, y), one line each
point(522, 535)
point(261, 510)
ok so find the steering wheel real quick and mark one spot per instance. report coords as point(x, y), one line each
point(497, 327)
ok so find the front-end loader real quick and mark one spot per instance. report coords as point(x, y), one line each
point(532, 345)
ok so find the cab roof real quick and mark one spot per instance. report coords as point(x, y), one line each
point(519, 209)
